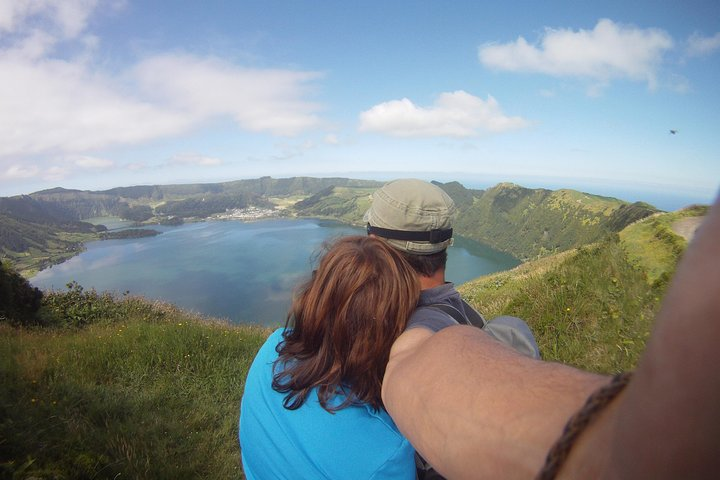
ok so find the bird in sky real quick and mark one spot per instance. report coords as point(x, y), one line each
point(673, 132)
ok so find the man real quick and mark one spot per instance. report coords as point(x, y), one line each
point(416, 218)
point(491, 413)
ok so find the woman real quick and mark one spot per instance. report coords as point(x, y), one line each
point(312, 406)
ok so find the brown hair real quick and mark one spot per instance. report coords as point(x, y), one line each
point(344, 322)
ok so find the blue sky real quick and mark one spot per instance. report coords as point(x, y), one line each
point(96, 94)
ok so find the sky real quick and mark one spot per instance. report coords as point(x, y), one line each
point(612, 97)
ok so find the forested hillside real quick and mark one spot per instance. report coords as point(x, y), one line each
point(526, 223)
point(36, 233)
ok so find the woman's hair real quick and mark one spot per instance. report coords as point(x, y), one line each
point(343, 322)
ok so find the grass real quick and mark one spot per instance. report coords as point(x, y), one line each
point(651, 245)
point(153, 395)
point(588, 307)
point(591, 307)
point(593, 203)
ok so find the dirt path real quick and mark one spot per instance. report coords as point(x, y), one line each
point(686, 227)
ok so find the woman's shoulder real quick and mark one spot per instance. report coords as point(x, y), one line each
point(268, 350)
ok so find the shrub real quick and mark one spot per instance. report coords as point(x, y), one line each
point(78, 307)
point(19, 301)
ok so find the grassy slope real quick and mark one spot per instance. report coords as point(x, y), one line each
point(153, 395)
point(346, 204)
point(590, 307)
point(528, 223)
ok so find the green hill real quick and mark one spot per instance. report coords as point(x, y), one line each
point(527, 223)
point(592, 306)
point(35, 233)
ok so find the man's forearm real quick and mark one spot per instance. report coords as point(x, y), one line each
point(473, 407)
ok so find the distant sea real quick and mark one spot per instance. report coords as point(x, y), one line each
point(664, 197)
point(242, 271)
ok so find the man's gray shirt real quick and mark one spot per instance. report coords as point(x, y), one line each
point(511, 331)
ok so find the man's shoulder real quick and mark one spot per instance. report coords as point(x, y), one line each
point(444, 293)
point(432, 318)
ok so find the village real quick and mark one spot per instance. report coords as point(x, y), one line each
point(249, 213)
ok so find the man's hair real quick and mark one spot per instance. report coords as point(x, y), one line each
point(342, 324)
point(427, 265)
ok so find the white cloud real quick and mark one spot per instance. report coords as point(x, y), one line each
point(67, 17)
point(258, 100)
point(455, 114)
point(55, 173)
point(194, 159)
point(61, 107)
point(84, 161)
point(15, 172)
point(136, 166)
point(608, 51)
point(332, 139)
point(55, 168)
point(58, 110)
point(699, 45)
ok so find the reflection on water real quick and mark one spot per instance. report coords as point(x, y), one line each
point(241, 271)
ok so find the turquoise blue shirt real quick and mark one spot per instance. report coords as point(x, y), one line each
point(310, 442)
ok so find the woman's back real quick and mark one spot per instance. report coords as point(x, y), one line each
point(312, 406)
point(311, 442)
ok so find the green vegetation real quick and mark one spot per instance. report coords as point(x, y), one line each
point(129, 233)
point(593, 306)
point(529, 223)
point(138, 213)
point(592, 309)
point(526, 223)
point(201, 207)
point(345, 204)
point(121, 388)
point(652, 245)
point(30, 247)
point(19, 301)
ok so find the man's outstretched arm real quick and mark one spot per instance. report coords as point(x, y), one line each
point(474, 408)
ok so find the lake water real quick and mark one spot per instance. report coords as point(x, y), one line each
point(242, 271)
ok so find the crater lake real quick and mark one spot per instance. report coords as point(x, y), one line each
point(241, 271)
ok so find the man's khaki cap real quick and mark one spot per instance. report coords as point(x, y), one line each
point(413, 216)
